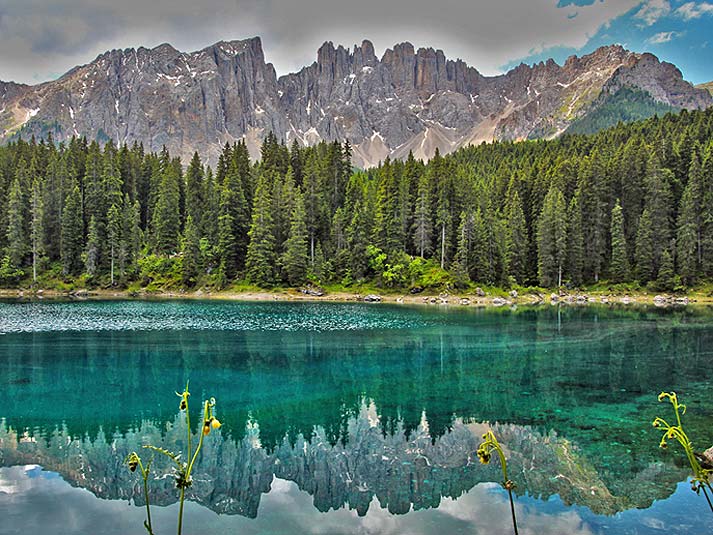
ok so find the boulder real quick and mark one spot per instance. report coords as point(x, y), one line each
point(479, 292)
point(315, 291)
point(372, 298)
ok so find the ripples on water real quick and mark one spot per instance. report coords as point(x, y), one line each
point(42, 316)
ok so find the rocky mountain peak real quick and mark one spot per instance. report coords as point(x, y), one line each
point(409, 100)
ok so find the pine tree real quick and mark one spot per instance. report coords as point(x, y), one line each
point(72, 233)
point(387, 224)
point(166, 217)
point(91, 261)
point(594, 206)
point(478, 264)
point(665, 279)
point(115, 239)
point(551, 239)
point(659, 202)
point(37, 230)
point(575, 242)
point(192, 260)
point(422, 222)
point(516, 239)
point(16, 226)
point(195, 190)
point(314, 200)
point(295, 259)
point(461, 262)
point(131, 229)
point(619, 266)
point(645, 266)
point(260, 259)
point(689, 225)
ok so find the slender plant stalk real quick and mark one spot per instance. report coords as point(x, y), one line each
point(134, 461)
point(147, 524)
point(182, 469)
point(485, 451)
point(701, 476)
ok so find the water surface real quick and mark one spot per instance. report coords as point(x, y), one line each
point(353, 418)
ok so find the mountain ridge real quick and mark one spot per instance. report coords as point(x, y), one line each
point(409, 100)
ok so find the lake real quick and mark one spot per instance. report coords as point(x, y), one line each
point(343, 418)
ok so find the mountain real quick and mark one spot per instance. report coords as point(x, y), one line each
point(708, 86)
point(409, 100)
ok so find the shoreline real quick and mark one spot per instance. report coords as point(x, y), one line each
point(457, 298)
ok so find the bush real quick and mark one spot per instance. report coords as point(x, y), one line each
point(9, 275)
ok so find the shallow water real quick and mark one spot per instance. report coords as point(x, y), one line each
point(353, 418)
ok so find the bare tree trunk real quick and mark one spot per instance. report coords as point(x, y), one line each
point(443, 246)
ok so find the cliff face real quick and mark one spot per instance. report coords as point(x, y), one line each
point(409, 100)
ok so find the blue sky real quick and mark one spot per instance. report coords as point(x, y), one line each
point(40, 40)
point(680, 32)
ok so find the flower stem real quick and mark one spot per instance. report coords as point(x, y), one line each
point(705, 493)
point(148, 508)
point(180, 511)
point(512, 511)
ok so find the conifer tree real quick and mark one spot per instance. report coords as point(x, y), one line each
point(192, 261)
point(461, 261)
point(595, 211)
point(689, 225)
point(37, 230)
point(313, 199)
point(387, 224)
point(575, 241)
point(260, 259)
point(645, 262)
point(131, 229)
point(619, 266)
point(195, 191)
point(295, 259)
point(422, 221)
point(166, 218)
point(516, 239)
point(665, 280)
point(479, 267)
point(115, 240)
point(551, 239)
point(16, 226)
point(91, 261)
point(72, 234)
point(658, 202)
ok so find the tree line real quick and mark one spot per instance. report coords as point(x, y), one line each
point(631, 204)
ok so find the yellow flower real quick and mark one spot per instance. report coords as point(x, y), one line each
point(206, 427)
point(215, 424)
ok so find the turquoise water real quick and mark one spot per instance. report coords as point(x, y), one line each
point(352, 418)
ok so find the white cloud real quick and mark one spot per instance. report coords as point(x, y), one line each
point(662, 37)
point(652, 11)
point(692, 10)
point(39, 37)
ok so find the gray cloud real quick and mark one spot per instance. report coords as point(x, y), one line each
point(39, 37)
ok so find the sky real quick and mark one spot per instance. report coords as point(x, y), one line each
point(41, 39)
